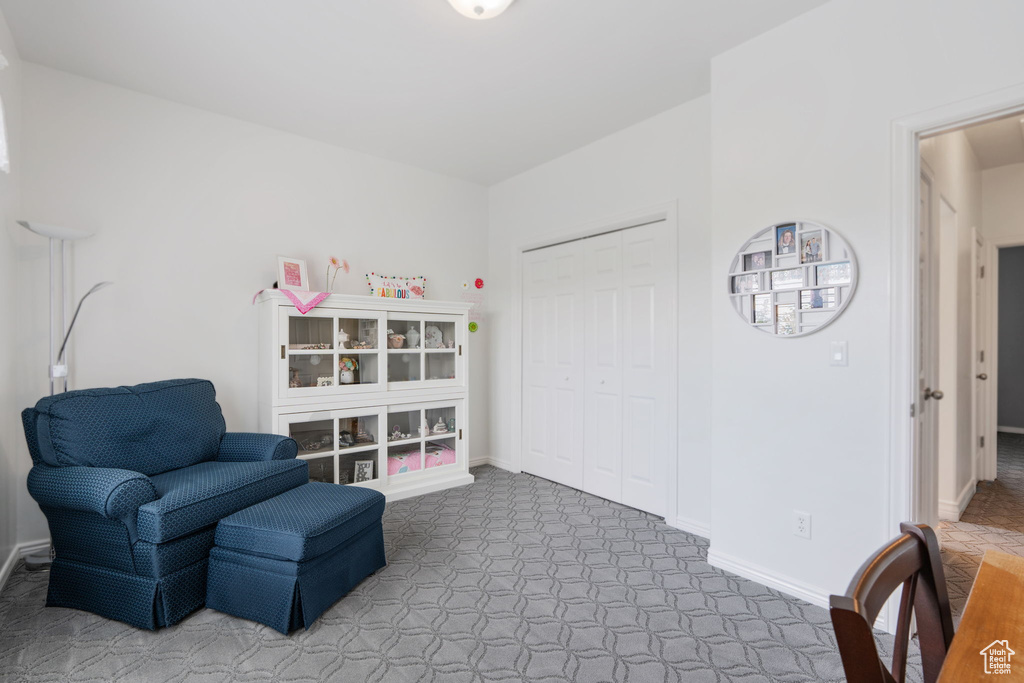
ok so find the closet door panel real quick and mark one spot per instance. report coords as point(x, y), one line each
point(552, 364)
point(649, 365)
point(603, 421)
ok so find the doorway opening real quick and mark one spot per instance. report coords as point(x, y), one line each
point(969, 407)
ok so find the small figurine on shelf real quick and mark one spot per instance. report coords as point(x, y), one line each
point(412, 338)
point(397, 435)
point(395, 341)
point(347, 371)
point(424, 430)
point(451, 425)
point(345, 439)
point(294, 382)
point(362, 436)
point(451, 344)
point(440, 427)
point(342, 339)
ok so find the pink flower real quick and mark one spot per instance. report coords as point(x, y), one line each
point(344, 266)
point(334, 262)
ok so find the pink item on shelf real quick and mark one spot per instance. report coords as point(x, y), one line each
point(445, 456)
point(303, 301)
point(400, 464)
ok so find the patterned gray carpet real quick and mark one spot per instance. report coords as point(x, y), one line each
point(510, 579)
point(994, 520)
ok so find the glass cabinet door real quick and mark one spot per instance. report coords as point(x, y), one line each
point(424, 351)
point(422, 437)
point(341, 447)
point(331, 352)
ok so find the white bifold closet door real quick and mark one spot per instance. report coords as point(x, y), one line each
point(599, 340)
point(553, 363)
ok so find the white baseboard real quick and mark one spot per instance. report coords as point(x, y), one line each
point(785, 584)
point(477, 462)
point(690, 526)
point(952, 510)
point(17, 552)
point(1011, 430)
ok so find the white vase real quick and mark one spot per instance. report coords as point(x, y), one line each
point(412, 338)
point(346, 377)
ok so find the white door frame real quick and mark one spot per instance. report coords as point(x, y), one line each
point(906, 468)
point(660, 212)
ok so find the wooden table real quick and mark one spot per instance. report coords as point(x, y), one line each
point(994, 617)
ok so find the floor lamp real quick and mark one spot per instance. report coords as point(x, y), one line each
point(58, 369)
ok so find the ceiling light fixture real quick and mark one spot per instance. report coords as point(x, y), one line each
point(480, 9)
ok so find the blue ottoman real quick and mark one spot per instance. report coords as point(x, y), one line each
point(284, 561)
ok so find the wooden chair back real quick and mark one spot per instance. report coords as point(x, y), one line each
point(912, 560)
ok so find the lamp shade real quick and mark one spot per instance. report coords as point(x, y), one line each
point(480, 9)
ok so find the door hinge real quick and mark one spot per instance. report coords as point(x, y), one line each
point(981, 440)
point(282, 352)
point(913, 410)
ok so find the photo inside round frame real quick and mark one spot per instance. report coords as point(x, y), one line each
point(792, 279)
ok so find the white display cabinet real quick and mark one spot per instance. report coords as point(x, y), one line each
point(374, 391)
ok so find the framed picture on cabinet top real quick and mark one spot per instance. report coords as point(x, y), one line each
point(759, 260)
point(785, 239)
point(291, 274)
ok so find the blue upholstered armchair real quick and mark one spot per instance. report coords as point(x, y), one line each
point(133, 481)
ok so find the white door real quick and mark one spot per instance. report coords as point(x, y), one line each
point(649, 365)
point(603, 424)
point(925, 408)
point(553, 363)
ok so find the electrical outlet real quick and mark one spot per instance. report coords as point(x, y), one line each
point(801, 524)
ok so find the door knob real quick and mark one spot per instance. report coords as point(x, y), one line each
point(937, 395)
point(983, 376)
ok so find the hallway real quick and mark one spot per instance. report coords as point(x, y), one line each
point(994, 520)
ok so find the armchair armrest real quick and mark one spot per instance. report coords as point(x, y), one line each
point(111, 493)
point(250, 447)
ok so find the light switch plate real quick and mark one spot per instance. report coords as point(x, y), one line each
point(838, 353)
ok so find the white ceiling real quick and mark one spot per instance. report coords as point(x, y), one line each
point(408, 80)
point(999, 142)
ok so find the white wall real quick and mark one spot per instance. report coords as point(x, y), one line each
point(1002, 193)
point(664, 159)
point(191, 210)
point(13, 456)
point(802, 126)
point(957, 182)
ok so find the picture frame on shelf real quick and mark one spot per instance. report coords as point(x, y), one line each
point(785, 239)
point(762, 309)
point(839, 273)
point(790, 278)
point(758, 260)
point(746, 284)
point(363, 471)
point(823, 298)
point(785, 319)
point(812, 247)
point(292, 274)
